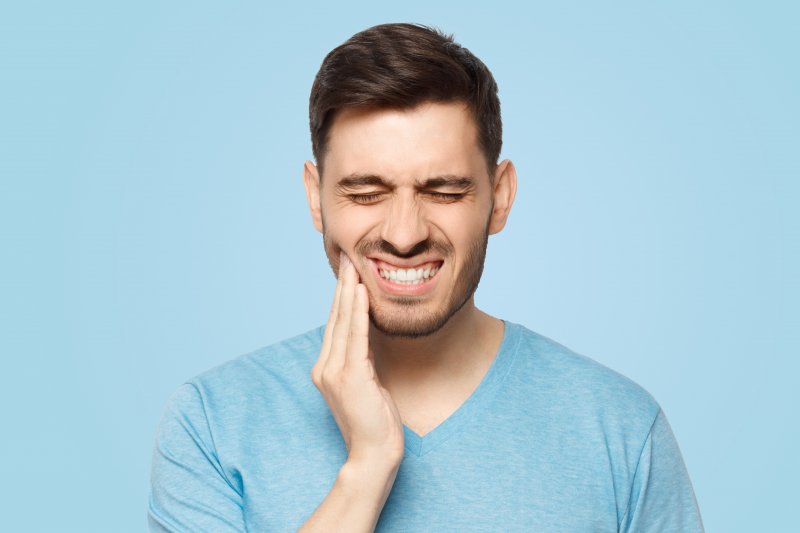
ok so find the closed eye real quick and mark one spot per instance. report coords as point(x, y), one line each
point(369, 198)
point(446, 196)
point(365, 198)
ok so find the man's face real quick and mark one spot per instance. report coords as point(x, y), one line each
point(407, 197)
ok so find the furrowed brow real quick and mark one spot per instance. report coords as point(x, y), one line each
point(452, 182)
point(354, 181)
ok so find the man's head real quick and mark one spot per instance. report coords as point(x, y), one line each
point(406, 124)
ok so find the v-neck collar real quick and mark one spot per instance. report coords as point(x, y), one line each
point(480, 397)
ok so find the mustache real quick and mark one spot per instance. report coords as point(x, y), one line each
point(366, 247)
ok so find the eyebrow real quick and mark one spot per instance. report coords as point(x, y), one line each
point(456, 182)
point(354, 181)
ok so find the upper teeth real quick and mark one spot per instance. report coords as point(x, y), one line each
point(409, 275)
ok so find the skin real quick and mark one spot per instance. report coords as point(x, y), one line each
point(395, 354)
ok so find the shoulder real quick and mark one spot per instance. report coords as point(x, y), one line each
point(241, 394)
point(581, 384)
point(287, 356)
point(243, 378)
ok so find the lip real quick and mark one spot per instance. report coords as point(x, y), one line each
point(399, 289)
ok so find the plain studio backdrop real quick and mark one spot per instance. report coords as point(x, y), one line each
point(154, 224)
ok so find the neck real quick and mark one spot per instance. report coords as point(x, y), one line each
point(466, 342)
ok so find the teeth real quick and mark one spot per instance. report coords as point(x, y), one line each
point(409, 276)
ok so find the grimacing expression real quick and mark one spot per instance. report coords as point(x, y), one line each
point(406, 196)
point(408, 318)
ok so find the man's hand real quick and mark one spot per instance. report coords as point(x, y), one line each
point(365, 412)
point(345, 374)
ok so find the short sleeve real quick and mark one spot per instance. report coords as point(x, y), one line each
point(662, 499)
point(189, 490)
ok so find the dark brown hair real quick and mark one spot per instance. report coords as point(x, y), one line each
point(399, 66)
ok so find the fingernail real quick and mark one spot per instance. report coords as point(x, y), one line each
point(343, 259)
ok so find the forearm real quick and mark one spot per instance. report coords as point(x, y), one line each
point(355, 501)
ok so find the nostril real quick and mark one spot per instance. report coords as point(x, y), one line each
point(405, 252)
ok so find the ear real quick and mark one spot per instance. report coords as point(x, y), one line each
point(505, 189)
point(312, 185)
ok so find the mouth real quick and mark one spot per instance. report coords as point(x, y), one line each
point(408, 280)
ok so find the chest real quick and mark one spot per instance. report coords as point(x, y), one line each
point(483, 482)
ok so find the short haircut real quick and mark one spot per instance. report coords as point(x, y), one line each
point(400, 66)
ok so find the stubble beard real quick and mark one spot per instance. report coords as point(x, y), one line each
point(406, 317)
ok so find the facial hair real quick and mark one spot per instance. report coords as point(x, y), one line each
point(407, 318)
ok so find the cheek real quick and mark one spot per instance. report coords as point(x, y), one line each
point(462, 228)
point(350, 225)
point(343, 230)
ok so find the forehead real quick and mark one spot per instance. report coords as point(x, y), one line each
point(405, 144)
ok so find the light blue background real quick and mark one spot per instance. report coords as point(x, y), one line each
point(154, 224)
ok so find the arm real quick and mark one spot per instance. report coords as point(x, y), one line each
point(364, 411)
point(356, 499)
point(662, 499)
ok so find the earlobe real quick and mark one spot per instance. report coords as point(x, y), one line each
point(504, 191)
point(312, 184)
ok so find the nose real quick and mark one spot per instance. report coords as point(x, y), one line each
point(405, 225)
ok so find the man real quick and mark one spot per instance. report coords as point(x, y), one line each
point(412, 410)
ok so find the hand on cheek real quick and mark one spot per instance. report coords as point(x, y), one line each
point(345, 374)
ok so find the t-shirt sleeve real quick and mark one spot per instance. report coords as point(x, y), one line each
point(189, 490)
point(662, 499)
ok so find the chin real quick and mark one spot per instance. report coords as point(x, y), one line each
point(407, 322)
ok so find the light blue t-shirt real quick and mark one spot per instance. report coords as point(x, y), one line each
point(550, 441)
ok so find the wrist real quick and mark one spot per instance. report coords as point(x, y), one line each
point(363, 459)
point(369, 476)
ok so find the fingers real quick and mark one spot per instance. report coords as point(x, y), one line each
point(359, 329)
point(341, 329)
point(328, 337)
